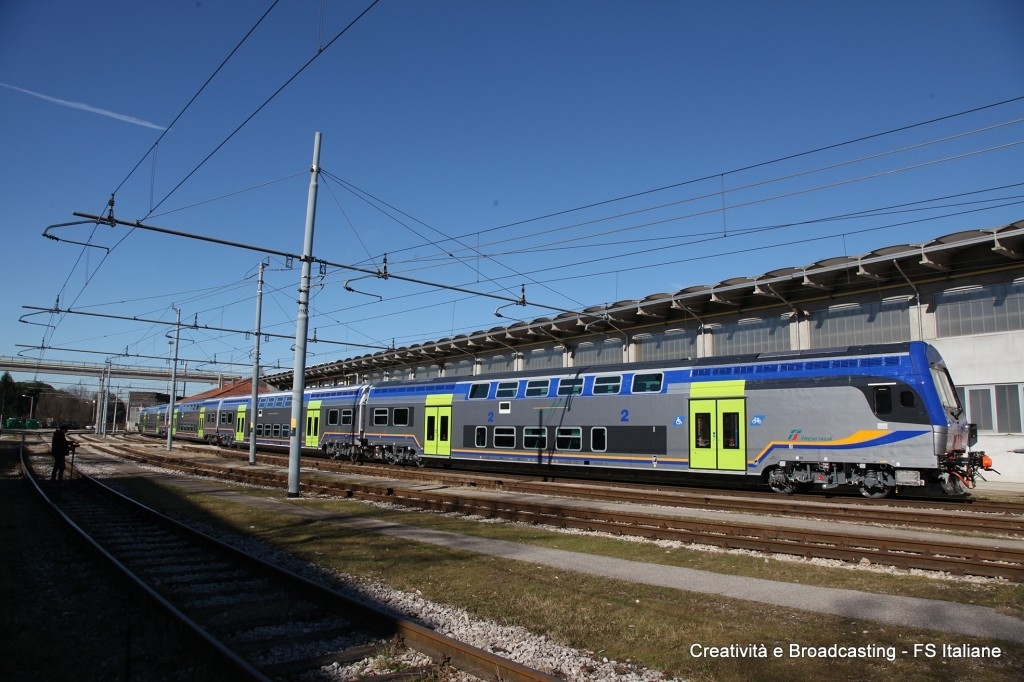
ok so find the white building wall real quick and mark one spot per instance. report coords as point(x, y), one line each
point(990, 359)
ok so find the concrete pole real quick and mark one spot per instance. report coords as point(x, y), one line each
point(174, 381)
point(301, 330)
point(256, 366)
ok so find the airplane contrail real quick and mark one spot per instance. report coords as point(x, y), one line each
point(86, 107)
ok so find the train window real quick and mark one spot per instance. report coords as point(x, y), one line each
point(647, 383)
point(504, 436)
point(478, 391)
point(276, 431)
point(607, 385)
point(731, 430)
point(535, 437)
point(538, 388)
point(380, 416)
point(907, 399)
point(259, 430)
point(569, 438)
point(570, 386)
point(443, 430)
point(507, 389)
point(702, 429)
point(883, 399)
point(402, 416)
point(505, 407)
point(346, 417)
point(431, 426)
point(599, 439)
point(481, 437)
point(332, 417)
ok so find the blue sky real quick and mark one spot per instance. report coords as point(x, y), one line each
point(483, 145)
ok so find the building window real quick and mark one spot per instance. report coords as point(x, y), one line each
point(590, 353)
point(543, 358)
point(497, 363)
point(752, 336)
point(980, 309)
point(995, 409)
point(671, 344)
point(856, 323)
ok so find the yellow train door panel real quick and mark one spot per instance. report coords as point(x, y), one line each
point(240, 424)
point(437, 426)
point(718, 438)
point(313, 424)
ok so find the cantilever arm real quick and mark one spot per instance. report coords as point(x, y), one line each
point(46, 233)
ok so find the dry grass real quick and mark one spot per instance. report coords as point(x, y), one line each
point(655, 627)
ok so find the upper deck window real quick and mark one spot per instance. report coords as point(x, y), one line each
point(478, 391)
point(507, 389)
point(647, 383)
point(607, 385)
point(538, 388)
point(570, 386)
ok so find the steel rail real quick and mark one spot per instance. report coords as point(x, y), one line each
point(438, 646)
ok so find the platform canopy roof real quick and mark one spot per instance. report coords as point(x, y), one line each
point(956, 255)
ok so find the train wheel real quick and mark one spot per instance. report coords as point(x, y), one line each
point(873, 486)
point(954, 485)
point(875, 491)
point(779, 482)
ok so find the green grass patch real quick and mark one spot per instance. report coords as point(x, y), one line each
point(652, 626)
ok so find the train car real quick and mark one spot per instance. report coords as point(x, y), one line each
point(873, 417)
point(153, 420)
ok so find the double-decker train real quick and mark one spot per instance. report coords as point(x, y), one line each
point(876, 417)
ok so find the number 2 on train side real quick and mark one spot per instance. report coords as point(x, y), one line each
point(624, 417)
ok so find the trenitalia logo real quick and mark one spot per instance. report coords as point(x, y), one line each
point(795, 435)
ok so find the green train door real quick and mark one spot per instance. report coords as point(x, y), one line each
point(718, 438)
point(201, 426)
point(313, 424)
point(240, 424)
point(437, 426)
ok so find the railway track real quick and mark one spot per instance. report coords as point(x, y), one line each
point(846, 542)
point(262, 621)
point(1002, 518)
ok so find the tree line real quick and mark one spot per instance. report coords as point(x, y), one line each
point(51, 406)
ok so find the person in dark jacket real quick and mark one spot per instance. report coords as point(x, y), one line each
point(59, 448)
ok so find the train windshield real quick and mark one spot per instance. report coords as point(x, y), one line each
point(947, 393)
